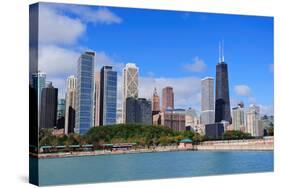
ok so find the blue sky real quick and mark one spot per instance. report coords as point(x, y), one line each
point(172, 47)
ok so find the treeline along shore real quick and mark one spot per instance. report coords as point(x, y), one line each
point(123, 139)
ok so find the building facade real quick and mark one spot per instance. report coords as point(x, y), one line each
point(48, 107)
point(130, 84)
point(174, 119)
point(138, 111)
point(253, 121)
point(238, 121)
point(61, 114)
point(155, 102)
point(167, 98)
point(207, 101)
point(108, 96)
point(84, 115)
point(214, 131)
point(70, 105)
point(222, 104)
point(97, 99)
point(38, 83)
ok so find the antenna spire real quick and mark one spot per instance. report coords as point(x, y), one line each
point(222, 51)
point(219, 52)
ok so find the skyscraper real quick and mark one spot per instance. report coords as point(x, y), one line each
point(253, 121)
point(174, 119)
point(238, 117)
point(61, 114)
point(97, 98)
point(222, 109)
point(167, 98)
point(108, 96)
point(70, 105)
point(138, 110)
point(155, 102)
point(38, 83)
point(48, 109)
point(130, 84)
point(84, 116)
point(207, 101)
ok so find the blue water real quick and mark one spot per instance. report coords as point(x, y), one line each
point(107, 168)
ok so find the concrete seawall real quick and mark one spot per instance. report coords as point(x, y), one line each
point(266, 143)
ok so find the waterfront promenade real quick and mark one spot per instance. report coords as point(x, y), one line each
point(262, 144)
point(266, 143)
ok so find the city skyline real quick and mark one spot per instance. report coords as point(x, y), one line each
point(190, 73)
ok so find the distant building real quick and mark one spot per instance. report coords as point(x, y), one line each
point(167, 98)
point(214, 131)
point(191, 118)
point(119, 117)
point(254, 126)
point(61, 114)
point(48, 109)
point(174, 119)
point(207, 101)
point(238, 117)
point(97, 99)
point(138, 111)
point(130, 84)
point(70, 105)
point(84, 116)
point(155, 102)
point(108, 96)
point(222, 105)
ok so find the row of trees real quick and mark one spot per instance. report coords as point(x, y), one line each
point(142, 135)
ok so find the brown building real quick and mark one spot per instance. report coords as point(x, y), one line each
point(174, 119)
point(167, 98)
point(155, 102)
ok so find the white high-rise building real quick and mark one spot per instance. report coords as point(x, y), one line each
point(130, 84)
point(238, 117)
point(252, 121)
point(207, 101)
point(70, 105)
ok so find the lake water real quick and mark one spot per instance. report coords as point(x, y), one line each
point(108, 168)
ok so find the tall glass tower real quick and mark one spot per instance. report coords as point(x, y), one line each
point(84, 117)
point(38, 83)
point(222, 109)
point(108, 96)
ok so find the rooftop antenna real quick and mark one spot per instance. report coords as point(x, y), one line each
point(219, 52)
point(222, 51)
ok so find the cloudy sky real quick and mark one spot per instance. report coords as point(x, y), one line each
point(170, 48)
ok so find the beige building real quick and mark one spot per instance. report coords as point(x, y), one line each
point(97, 99)
point(130, 84)
point(253, 125)
point(238, 119)
point(70, 105)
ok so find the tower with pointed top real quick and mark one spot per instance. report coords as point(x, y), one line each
point(155, 102)
point(222, 104)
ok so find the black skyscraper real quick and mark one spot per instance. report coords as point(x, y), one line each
point(48, 110)
point(222, 109)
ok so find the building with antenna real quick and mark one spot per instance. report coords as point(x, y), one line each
point(222, 103)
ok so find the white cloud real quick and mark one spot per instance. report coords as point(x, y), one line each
point(198, 65)
point(55, 28)
point(56, 61)
point(242, 90)
point(99, 16)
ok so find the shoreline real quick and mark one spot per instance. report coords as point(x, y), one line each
point(105, 152)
